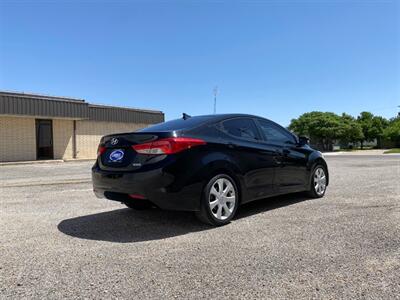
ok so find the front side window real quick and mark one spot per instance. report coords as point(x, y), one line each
point(273, 133)
point(241, 127)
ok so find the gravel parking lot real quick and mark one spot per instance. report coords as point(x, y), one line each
point(58, 240)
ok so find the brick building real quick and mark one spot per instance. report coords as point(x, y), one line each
point(45, 127)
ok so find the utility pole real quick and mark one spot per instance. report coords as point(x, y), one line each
point(215, 99)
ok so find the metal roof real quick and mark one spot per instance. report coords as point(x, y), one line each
point(12, 103)
point(40, 96)
point(120, 114)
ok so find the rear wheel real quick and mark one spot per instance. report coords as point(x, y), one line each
point(219, 201)
point(138, 204)
point(318, 182)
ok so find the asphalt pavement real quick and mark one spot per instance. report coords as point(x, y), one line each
point(58, 241)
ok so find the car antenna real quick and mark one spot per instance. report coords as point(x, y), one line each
point(185, 116)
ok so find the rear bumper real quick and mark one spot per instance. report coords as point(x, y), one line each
point(156, 185)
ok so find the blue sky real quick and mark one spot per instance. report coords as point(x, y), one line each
point(277, 59)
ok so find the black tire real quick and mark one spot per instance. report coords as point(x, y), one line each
point(206, 214)
point(138, 204)
point(313, 192)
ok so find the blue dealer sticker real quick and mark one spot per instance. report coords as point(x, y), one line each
point(117, 155)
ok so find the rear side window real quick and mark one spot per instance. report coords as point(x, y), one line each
point(241, 127)
point(274, 133)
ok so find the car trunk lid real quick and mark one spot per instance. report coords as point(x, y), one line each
point(116, 152)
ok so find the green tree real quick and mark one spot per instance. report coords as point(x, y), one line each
point(379, 124)
point(352, 131)
point(321, 127)
point(392, 131)
point(372, 127)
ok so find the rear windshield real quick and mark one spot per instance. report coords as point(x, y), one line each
point(178, 124)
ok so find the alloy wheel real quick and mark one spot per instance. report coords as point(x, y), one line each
point(319, 181)
point(222, 198)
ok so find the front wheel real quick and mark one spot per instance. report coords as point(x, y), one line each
point(318, 182)
point(219, 201)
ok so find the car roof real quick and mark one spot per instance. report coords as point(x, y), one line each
point(228, 116)
point(189, 122)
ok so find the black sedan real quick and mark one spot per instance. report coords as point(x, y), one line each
point(207, 164)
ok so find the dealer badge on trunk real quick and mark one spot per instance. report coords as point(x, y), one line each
point(117, 155)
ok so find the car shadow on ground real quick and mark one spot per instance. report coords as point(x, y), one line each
point(265, 205)
point(128, 226)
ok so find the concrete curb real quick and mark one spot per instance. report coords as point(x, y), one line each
point(53, 161)
point(374, 152)
point(30, 162)
point(42, 183)
point(331, 153)
point(79, 159)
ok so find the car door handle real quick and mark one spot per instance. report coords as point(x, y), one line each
point(278, 153)
point(283, 152)
point(266, 153)
point(278, 160)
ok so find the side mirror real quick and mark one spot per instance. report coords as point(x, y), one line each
point(303, 140)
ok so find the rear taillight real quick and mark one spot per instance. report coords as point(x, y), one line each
point(100, 150)
point(168, 145)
